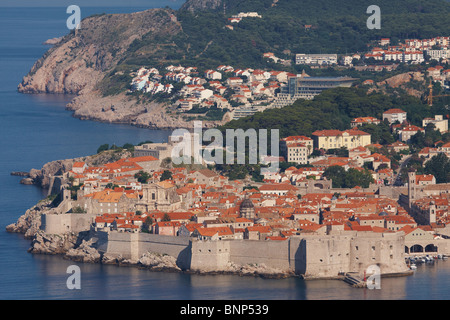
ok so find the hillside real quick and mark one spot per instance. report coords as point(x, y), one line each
point(96, 62)
point(336, 26)
point(90, 64)
point(334, 109)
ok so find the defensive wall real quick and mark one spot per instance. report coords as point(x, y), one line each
point(135, 245)
point(52, 223)
point(310, 256)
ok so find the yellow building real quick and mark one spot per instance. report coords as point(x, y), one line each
point(335, 139)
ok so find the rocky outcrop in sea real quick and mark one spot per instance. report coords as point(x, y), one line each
point(52, 244)
point(85, 252)
point(29, 223)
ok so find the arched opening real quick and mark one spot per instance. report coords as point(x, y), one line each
point(431, 248)
point(416, 248)
point(406, 249)
point(318, 186)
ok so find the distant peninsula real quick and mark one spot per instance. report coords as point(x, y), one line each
point(100, 62)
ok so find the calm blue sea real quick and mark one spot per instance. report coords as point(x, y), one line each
point(36, 129)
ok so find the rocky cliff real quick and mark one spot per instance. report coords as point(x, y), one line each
point(81, 60)
point(29, 223)
point(202, 5)
point(411, 82)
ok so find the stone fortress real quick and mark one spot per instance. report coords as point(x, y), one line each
point(312, 257)
point(326, 256)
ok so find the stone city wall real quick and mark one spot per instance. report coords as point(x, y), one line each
point(310, 256)
point(134, 245)
point(66, 222)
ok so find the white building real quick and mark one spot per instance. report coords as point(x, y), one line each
point(393, 115)
point(316, 59)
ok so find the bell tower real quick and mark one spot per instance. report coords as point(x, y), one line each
point(411, 188)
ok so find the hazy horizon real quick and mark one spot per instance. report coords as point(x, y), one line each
point(91, 3)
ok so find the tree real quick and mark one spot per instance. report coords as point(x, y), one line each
point(147, 224)
point(166, 217)
point(102, 148)
point(439, 167)
point(167, 175)
point(348, 179)
point(111, 186)
point(142, 176)
point(128, 146)
point(78, 209)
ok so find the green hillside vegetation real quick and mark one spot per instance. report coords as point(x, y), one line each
point(334, 109)
point(337, 27)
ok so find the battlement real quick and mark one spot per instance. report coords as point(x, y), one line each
point(311, 256)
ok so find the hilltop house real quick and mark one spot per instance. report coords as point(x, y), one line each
point(335, 139)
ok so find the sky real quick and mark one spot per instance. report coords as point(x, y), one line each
point(91, 3)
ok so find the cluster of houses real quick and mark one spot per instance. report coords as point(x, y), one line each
point(243, 88)
point(440, 75)
point(362, 153)
point(296, 202)
point(411, 50)
point(233, 89)
point(224, 210)
point(149, 81)
point(397, 118)
point(270, 56)
point(242, 15)
point(297, 150)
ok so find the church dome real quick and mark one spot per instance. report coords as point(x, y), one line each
point(247, 203)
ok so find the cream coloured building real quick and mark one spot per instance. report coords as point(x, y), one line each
point(335, 139)
point(439, 122)
point(296, 149)
point(297, 153)
point(407, 132)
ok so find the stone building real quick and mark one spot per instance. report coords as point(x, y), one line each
point(161, 196)
point(335, 139)
point(247, 209)
point(394, 115)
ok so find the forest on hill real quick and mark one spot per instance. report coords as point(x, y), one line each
point(336, 27)
point(335, 109)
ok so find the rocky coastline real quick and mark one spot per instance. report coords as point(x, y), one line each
point(82, 247)
point(81, 63)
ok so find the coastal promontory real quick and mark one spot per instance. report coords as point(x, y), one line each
point(84, 60)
